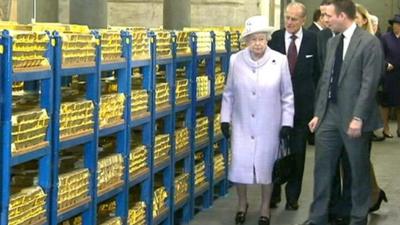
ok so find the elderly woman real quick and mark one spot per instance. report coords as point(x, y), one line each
point(258, 104)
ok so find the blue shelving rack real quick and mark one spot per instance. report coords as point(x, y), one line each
point(143, 179)
point(119, 130)
point(181, 209)
point(89, 140)
point(42, 153)
point(54, 78)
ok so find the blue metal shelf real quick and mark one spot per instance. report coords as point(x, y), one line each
point(139, 122)
point(110, 194)
point(71, 142)
point(182, 155)
point(162, 217)
point(108, 66)
point(32, 75)
point(73, 212)
point(202, 145)
point(182, 107)
point(163, 113)
point(181, 203)
point(204, 188)
point(110, 130)
point(30, 156)
point(143, 175)
point(140, 63)
point(203, 101)
point(164, 61)
point(161, 165)
point(85, 69)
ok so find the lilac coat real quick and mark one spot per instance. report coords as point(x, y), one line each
point(257, 101)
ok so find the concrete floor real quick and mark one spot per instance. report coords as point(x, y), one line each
point(386, 160)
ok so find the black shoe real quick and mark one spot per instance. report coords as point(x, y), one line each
point(241, 216)
point(377, 138)
point(263, 220)
point(274, 203)
point(341, 221)
point(292, 206)
point(377, 205)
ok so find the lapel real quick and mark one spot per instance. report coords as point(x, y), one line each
point(282, 46)
point(353, 45)
point(303, 47)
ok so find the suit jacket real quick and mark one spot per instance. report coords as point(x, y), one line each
point(313, 28)
point(306, 73)
point(322, 40)
point(358, 81)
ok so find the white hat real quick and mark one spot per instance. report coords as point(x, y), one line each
point(256, 24)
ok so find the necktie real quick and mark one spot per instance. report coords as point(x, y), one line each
point(292, 54)
point(333, 84)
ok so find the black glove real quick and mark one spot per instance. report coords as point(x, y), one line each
point(225, 129)
point(285, 132)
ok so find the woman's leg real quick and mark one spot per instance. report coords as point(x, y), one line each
point(241, 190)
point(266, 191)
point(385, 117)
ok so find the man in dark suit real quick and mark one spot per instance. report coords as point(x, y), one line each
point(317, 24)
point(345, 111)
point(300, 46)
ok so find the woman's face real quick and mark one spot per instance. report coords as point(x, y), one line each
point(257, 43)
point(360, 20)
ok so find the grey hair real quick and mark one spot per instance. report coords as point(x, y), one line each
point(298, 4)
point(267, 34)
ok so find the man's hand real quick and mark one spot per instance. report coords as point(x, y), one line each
point(313, 124)
point(355, 127)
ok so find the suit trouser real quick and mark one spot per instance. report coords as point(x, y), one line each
point(340, 204)
point(298, 142)
point(330, 139)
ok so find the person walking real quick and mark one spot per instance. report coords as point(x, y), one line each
point(300, 47)
point(346, 112)
point(258, 104)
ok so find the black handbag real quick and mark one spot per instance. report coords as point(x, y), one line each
point(285, 165)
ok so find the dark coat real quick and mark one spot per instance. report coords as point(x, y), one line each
point(313, 28)
point(306, 73)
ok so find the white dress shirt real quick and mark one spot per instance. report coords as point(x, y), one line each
point(297, 42)
point(348, 33)
point(319, 26)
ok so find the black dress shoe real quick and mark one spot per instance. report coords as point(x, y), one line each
point(292, 206)
point(273, 204)
point(263, 220)
point(240, 217)
point(377, 138)
point(377, 205)
point(341, 221)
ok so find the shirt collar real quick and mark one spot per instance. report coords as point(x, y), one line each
point(348, 33)
point(299, 34)
point(319, 26)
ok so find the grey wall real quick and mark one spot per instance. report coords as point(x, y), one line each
point(384, 9)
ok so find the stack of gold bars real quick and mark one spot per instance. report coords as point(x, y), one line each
point(182, 91)
point(160, 203)
point(73, 188)
point(27, 206)
point(203, 87)
point(28, 130)
point(219, 165)
point(111, 49)
point(29, 49)
point(137, 214)
point(137, 160)
point(203, 39)
point(182, 43)
point(162, 95)
point(201, 129)
point(141, 44)
point(73, 221)
point(161, 148)
point(113, 221)
point(182, 140)
point(105, 209)
point(111, 109)
point(110, 171)
point(163, 43)
point(200, 178)
point(220, 41)
point(181, 187)
point(79, 46)
point(219, 82)
point(17, 87)
point(235, 40)
point(76, 118)
point(139, 102)
point(217, 125)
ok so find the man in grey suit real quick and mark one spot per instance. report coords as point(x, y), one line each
point(345, 111)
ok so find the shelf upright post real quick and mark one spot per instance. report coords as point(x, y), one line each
point(6, 114)
point(173, 126)
point(150, 139)
point(192, 129)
